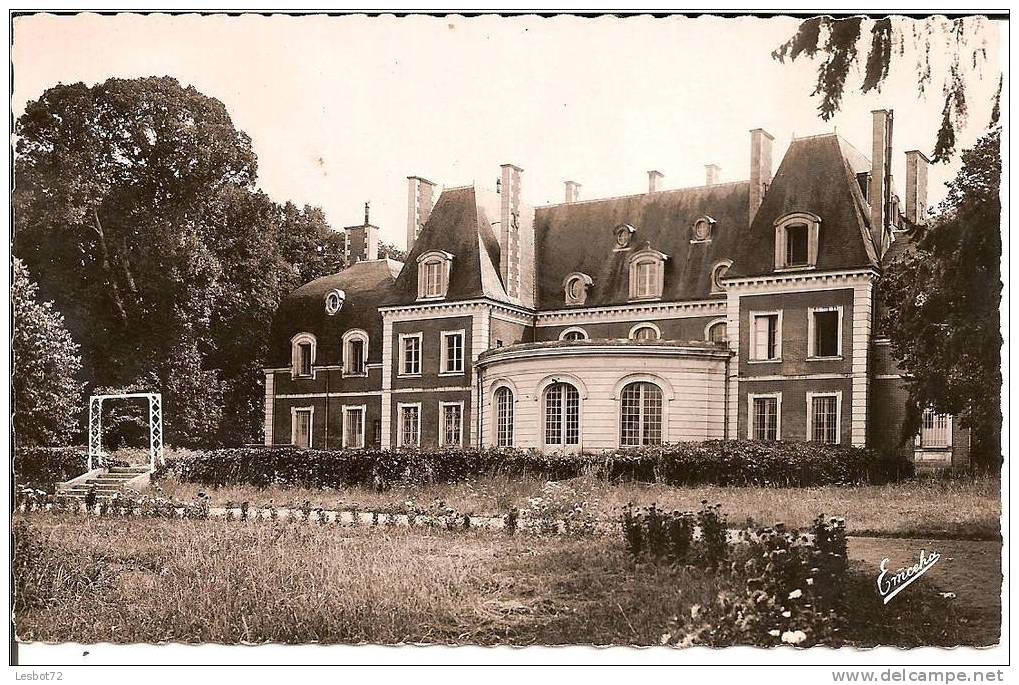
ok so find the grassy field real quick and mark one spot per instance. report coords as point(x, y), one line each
point(126, 580)
point(940, 508)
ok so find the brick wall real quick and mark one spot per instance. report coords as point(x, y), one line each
point(510, 333)
point(794, 405)
point(431, 352)
point(429, 401)
point(327, 421)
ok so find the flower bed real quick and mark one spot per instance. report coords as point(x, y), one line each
point(733, 462)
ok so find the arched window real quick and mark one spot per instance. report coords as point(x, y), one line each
point(504, 417)
point(562, 415)
point(796, 237)
point(717, 274)
point(647, 274)
point(717, 332)
point(433, 274)
point(575, 333)
point(302, 355)
point(575, 287)
point(645, 331)
point(640, 415)
point(355, 353)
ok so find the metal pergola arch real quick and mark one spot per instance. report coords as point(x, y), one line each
point(95, 425)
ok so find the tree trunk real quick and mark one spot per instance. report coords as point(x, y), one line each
point(118, 301)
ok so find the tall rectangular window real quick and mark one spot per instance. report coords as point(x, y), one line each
point(302, 427)
point(796, 238)
point(452, 423)
point(353, 427)
point(504, 417)
point(764, 412)
point(304, 361)
point(825, 341)
point(824, 419)
point(410, 362)
point(766, 337)
point(356, 356)
point(410, 425)
point(647, 279)
point(433, 278)
point(935, 429)
point(453, 352)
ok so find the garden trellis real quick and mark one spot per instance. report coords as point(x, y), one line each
point(95, 425)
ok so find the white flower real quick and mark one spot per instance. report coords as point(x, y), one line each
point(664, 640)
point(810, 581)
point(695, 611)
point(796, 594)
point(786, 614)
point(773, 633)
point(793, 637)
point(947, 595)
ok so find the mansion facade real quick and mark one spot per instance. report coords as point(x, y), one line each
point(740, 309)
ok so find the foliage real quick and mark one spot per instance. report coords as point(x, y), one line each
point(42, 467)
point(943, 297)
point(735, 462)
point(836, 41)
point(47, 365)
point(135, 207)
point(391, 251)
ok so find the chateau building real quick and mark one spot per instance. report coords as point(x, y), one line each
point(742, 309)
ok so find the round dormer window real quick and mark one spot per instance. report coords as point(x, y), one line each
point(623, 235)
point(702, 229)
point(334, 301)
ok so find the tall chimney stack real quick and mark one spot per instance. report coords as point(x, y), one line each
point(760, 168)
point(881, 180)
point(712, 174)
point(572, 191)
point(655, 180)
point(916, 186)
point(516, 237)
point(419, 206)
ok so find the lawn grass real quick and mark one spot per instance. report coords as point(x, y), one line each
point(963, 508)
point(88, 580)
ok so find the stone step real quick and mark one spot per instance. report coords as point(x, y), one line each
point(133, 470)
point(107, 480)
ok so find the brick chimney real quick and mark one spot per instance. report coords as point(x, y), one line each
point(419, 206)
point(712, 174)
point(572, 191)
point(362, 242)
point(655, 180)
point(916, 186)
point(760, 168)
point(881, 180)
point(516, 237)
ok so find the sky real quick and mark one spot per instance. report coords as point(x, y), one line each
point(341, 110)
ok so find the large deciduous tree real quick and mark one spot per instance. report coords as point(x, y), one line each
point(136, 209)
point(948, 54)
point(943, 298)
point(46, 383)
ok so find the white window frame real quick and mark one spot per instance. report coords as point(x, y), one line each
point(663, 414)
point(340, 297)
point(918, 440)
point(294, 411)
point(694, 240)
point(348, 337)
point(574, 329)
point(657, 261)
point(399, 423)
point(753, 316)
point(581, 395)
point(585, 283)
point(718, 288)
point(495, 413)
point(644, 324)
point(813, 224)
point(442, 424)
point(295, 354)
point(363, 408)
point(777, 396)
point(400, 372)
point(811, 337)
point(837, 394)
point(445, 260)
point(444, 353)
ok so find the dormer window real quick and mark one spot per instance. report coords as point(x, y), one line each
point(624, 234)
point(702, 229)
point(647, 274)
point(575, 286)
point(717, 274)
point(796, 241)
point(334, 301)
point(433, 274)
point(302, 355)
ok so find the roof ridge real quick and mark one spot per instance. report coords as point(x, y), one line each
point(657, 192)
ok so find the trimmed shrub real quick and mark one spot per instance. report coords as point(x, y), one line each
point(42, 468)
point(717, 462)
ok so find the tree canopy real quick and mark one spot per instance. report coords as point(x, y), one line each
point(136, 208)
point(943, 297)
point(835, 43)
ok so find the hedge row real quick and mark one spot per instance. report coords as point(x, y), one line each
point(41, 468)
point(737, 462)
